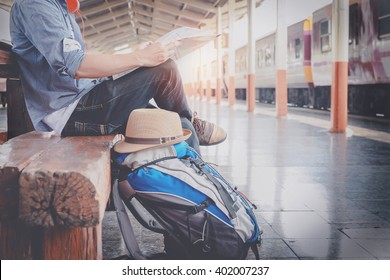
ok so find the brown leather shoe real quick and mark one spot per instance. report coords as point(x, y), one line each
point(208, 133)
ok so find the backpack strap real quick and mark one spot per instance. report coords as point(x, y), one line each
point(255, 251)
point(191, 209)
point(206, 248)
point(225, 196)
point(125, 225)
point(148, 157)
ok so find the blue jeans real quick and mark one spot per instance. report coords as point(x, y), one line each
point(106, 108)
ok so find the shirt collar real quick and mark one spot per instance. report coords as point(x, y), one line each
point(63, 4)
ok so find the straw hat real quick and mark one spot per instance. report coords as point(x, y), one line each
point(147, 128)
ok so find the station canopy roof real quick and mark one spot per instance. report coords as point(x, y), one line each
point(111, 25)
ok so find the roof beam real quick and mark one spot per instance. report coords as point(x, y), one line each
point(198, 4)
point(164, 25)
point(104, 35)
point(177, 12)
point(160, 25)
point(106, 26)
point(106, 17)
point(148, 3)
point(145, 20)
point(159, 16)
point(102, 7)
point(177, 22)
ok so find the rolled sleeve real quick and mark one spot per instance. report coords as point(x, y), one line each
point(73, 56)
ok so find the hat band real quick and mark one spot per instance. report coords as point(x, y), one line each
point(148, 141)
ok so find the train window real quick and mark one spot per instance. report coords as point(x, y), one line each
point(325, 32)
point(298, 47)
point(383, 10)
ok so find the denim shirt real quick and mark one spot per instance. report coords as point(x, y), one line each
point(49, 48)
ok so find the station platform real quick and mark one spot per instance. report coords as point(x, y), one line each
point(319, 195)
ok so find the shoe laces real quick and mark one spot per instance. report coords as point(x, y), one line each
point(198, 124)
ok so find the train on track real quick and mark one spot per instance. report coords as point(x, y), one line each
point(309, 61)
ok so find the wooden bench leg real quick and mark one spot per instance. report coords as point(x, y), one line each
point(3, 137)
point(15, 241)
point(20, 242)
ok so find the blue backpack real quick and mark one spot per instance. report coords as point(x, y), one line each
point(200, 214)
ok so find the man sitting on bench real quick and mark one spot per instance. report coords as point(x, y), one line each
point(72, 92)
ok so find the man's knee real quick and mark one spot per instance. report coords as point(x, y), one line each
point(168, 65)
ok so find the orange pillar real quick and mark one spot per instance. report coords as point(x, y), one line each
point(218, 89)
point(281, 58)
point(339, 96)
point(339, 91)
point(232, 91)
point(232, 55)
point(250, 91)
point(201, 74)
point(201, 90)
point(208, 91)
point(195, 89)
point(197, 85)
point(281, 93)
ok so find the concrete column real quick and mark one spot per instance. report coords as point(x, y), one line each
point(218, 90)
point(281, 60)
point(189, 90)
point(232, 55)
point(208, 90)
point(194, 62)
point(208, 71)
point(250, 91)
point(201, 74)
point(339, 90)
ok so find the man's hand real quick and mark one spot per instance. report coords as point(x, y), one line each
point(152, 54)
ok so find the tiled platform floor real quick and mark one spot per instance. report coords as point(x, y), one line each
point(319, 195)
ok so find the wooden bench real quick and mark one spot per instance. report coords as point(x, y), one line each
point(53, 190)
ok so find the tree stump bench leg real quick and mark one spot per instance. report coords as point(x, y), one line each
point(53, 195)
point(21, 242)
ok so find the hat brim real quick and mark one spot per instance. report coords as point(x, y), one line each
point(123, 147)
